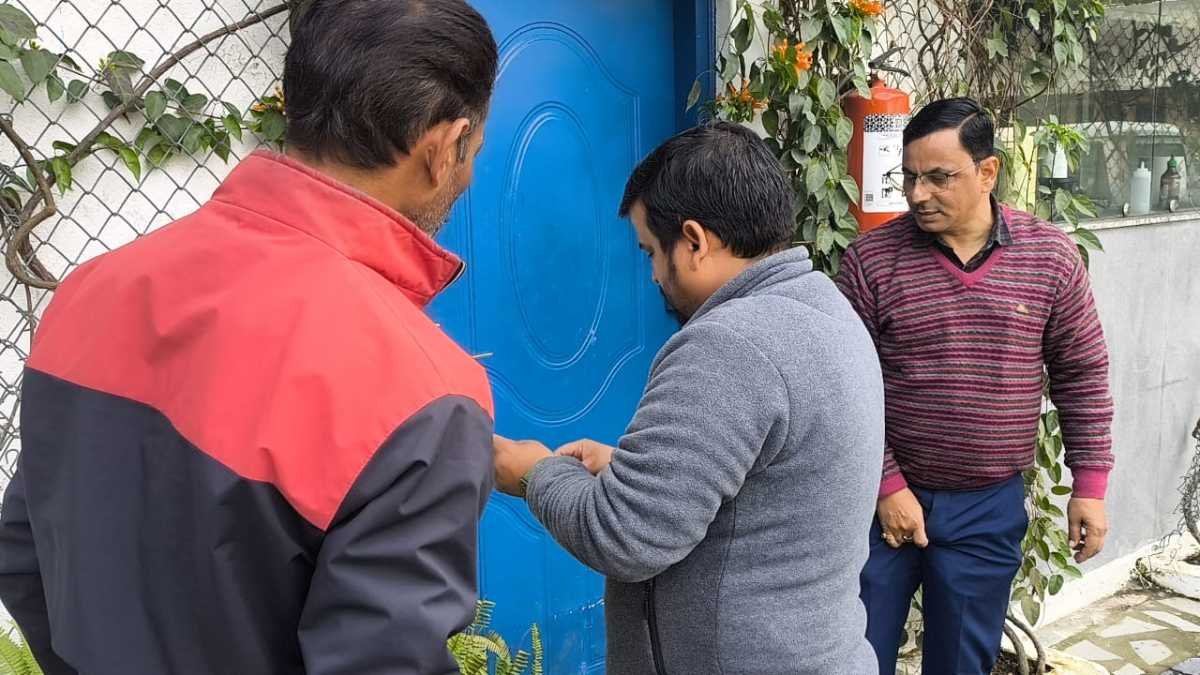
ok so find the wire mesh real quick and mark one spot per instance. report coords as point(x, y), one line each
point(101, 49)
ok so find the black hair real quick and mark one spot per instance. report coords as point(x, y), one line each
point(976, 132)
point(364, 79)
point(721, 175)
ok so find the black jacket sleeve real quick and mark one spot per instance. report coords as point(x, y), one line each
point(396, 573)
point(21, 579)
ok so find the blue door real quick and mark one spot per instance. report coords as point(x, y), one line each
point(556, 291)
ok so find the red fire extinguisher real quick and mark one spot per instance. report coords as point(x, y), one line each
point(875, 152)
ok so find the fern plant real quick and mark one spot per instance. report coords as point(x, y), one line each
point(15, 656)
point(477, 648)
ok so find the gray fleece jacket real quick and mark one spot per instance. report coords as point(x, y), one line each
point(732, 522)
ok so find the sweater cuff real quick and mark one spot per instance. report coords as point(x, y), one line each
point(1090, 483)
point(892, 484)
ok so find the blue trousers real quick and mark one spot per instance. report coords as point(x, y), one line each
point(973, 554)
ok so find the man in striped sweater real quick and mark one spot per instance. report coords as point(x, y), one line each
point(970, 303)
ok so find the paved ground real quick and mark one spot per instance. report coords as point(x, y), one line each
point(1133, 633)
point(1136, 632)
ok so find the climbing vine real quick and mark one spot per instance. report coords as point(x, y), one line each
point(168, 119)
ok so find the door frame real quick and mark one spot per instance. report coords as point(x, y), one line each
point(696, 52)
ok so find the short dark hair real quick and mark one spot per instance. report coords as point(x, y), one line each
point(975, 129)
point(721, 175)
point(364, 79)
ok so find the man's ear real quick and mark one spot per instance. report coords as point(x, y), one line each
point(989, 173)
point(699, 241)
point(440, 149)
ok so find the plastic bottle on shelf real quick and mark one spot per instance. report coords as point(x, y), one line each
point(1139, 190)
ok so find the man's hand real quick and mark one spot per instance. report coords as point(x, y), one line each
point(902, 520)
point(595, 456)
point(1088, 527)
point(514, 459)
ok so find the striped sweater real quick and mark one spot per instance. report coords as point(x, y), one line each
point(963, 355)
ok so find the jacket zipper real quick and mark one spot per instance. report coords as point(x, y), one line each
point(652, 624)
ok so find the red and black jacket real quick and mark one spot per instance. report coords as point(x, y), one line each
point(246, 449)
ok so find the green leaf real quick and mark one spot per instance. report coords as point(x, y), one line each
point(76, 91)
point(812, 138)
point(38, 64)
point(1073, 572)
point(843, 132)
point(1061, 490)
point(815, 178)
point(1034, 17)
point(146, 139)
point(159, 154)
point(770, 121)
point(1087, 257)
point(8, 53)
point(741, 37)
point(1056, 584)
point(850, 188)
point(730, 70)
point(809, 30)
point(175, 90)
point(193, 139)
point(130, 158)
point(841, 27)
point(838, 166)
point(1062, 201)
point(1043, 549)
point(692, 99)
point(62, 174)
point(233, 124)
point(107, 140)
point(1060, 6)
point(55, 88)
point(156, 105)
point(122, 60)
point(221, 146)
point(63, 147)
point(274, 125)
point(232, 109)
point(824, 238)
point(110, 99)
point(11, 82)
point(839, 202)
point(826, 93)
point(172, 128)
point(15, 25)
point(194, 103)
point(997, 47)
point(1087, 238)
point(1032, 610)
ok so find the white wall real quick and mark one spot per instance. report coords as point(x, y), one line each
point(1147, 287)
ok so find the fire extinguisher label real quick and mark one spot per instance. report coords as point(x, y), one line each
point(883, 147)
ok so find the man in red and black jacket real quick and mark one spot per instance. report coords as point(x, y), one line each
point(245, 447)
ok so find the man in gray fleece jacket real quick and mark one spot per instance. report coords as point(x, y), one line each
point(729, 518)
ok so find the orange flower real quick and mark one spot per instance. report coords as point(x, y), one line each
point(868, 7)
point(802, 60)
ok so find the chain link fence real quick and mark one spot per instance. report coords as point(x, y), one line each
point(130, 112)
point(1136, 99)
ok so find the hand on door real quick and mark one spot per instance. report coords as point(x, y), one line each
point(514, 460)
point(595, 456)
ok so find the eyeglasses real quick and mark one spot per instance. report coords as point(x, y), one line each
point(934, 181)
